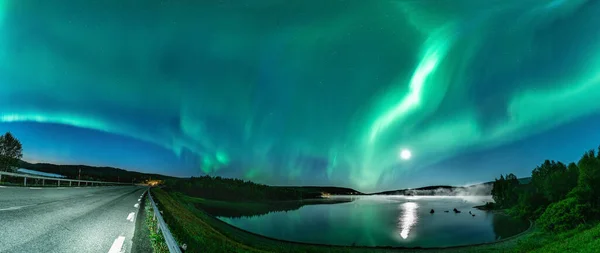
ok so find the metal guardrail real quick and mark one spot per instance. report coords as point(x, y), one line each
point(162, 226)
point(59, 180)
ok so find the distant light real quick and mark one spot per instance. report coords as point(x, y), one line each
point(405, 154)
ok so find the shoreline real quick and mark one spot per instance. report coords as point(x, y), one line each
point(503, 244)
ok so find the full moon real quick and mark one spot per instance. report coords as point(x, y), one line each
point(405, 154)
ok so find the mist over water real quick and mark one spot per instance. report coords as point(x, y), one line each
point(472, 190)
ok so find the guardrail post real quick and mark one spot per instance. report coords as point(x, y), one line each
point(43, 182)
point(0, 177)
point(24, 181)
point(70, 182)
point(78, 183)
point(58, 184)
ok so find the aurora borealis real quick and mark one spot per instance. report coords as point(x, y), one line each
point(306, 92)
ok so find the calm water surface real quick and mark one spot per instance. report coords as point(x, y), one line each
point(386, 221)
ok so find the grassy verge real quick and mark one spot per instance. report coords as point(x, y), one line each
point(194, 231)
point(156, 239)
point(582, 239)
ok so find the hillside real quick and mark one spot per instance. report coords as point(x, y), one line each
point(318, 190)
point(482, 189)
point(92, 173)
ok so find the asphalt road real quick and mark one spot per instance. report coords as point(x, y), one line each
point(90, 219)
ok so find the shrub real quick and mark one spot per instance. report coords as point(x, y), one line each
point(563, 215)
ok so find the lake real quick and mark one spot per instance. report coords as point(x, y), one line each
point(401, 221)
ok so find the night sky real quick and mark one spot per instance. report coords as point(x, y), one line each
point(303, 92)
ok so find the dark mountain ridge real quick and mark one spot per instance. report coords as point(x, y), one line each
point(108, 174)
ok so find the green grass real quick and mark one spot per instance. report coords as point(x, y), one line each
point(193, 230)
point(156, 239)
point(582, 239)
point(204, 233)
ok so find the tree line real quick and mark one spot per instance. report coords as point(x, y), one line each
point(559, 197)
point(229, 189)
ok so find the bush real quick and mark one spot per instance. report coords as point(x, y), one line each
point(489, 206)
point(563, 215)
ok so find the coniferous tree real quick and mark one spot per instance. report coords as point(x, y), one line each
point(11, 152)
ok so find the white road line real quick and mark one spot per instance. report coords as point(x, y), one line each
point(89, 195)
point(35, 188)
point(2, 186)
point(131, 216)
point(139, 200)
point(13, 208)
point(117, 245)
point(136, 205)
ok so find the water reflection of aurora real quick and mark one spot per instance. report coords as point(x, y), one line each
point(386, 221)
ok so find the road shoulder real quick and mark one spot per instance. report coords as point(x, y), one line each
point(141, 237)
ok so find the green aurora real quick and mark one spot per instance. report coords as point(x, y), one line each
point(277, 90)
